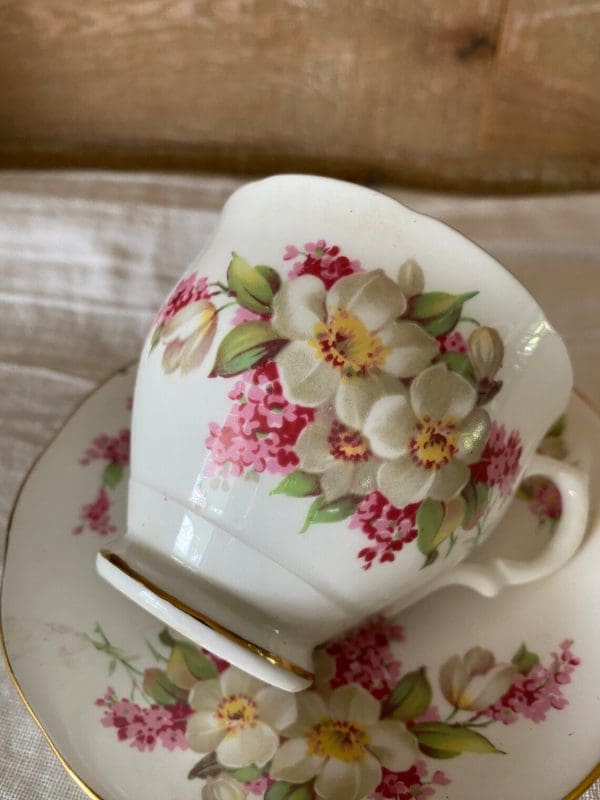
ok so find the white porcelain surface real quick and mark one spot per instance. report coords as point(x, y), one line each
point(52, 599)
point(237, 547)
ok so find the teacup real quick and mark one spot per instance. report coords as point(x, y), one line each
point(334, 405)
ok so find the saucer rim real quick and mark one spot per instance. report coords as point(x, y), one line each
point(574, 794)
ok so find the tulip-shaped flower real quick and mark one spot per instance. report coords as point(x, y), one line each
point(475, 681)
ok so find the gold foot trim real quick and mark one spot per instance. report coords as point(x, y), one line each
point(272, 658)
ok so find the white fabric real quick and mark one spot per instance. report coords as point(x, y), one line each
point(85, 258)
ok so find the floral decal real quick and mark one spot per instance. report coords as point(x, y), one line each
point(113, 453)
point(365, 393)
point(368, 729)
point(541, 494)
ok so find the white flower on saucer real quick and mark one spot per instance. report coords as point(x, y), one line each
point(347, 345)
point(224, 787)
point(475, 682)
point(340, 455)
point(428, 436)
point(240, 717)
point(343, 744)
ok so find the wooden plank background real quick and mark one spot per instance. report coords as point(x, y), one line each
point(465, 94)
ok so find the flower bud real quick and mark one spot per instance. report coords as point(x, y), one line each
point(486, 352)
point(410, 278)
point(223, 787)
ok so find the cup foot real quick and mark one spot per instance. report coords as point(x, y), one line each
point(199, 628)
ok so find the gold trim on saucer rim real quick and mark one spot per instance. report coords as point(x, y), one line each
point(574, 794)
point(269, 656)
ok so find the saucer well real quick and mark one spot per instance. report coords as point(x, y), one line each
point(458, 698)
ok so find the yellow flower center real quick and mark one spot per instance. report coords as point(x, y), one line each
point(339, 739)
point(434, 444)
point(236, 712)
point(346, 444)
point(348, 345)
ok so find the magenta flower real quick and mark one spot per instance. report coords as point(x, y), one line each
point(145, 727)
point(453, 342)
point(501, 459)
point(113, 449)
point(95, 516)
point(322, 260)
point(388, 528)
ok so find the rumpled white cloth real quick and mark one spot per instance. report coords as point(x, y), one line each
point(86, 258)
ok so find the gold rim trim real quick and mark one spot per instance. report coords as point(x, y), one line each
point(272, 658)
point(574, 794)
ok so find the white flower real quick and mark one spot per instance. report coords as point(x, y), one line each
point(347, 345)
point(428, 434)
point(239, 717)
point(475, 682)
point(341, 457)
point(223, 788)
point(343, 744)
point(188, 335)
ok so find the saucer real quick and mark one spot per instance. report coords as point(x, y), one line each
point(458, 698)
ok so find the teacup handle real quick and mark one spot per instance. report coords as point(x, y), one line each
point(488, 579)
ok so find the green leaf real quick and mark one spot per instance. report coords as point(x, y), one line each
point(165, 637)
point(161, 689)
point(289, 791)
point(524, 660)
point(410, 698)
point(245, 346)
point(433, 753)
point(252, 287)
point(112, 474)
point(333, 511)
point(460, 363)
point(246, 773)
point(299, 484)
point(429, 521)
point(187, 665)
point(453, 739)
point(156, 334)
point(436, 304)
point(444, 324)
point(205, 767)
point(431, 559)
point(112, 666)
point(558, 428)
point(476, 497)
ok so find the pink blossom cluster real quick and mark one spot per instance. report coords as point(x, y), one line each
point(188, 290)
point(113, 449)
point(500, 461)
point(322, 260)
point(95, 516)
point(409, 784)
point(261, 428)
point(453, 342)
point(535, 694)
point(364, 656)
point(387, 527)
point(145, 727)
point(545, 501)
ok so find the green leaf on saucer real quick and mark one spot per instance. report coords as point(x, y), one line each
point(187, 665)
point(243, 774)
point(450, 740)
point(205, 767)
point(161, 689)
point(253, 287)
point(558, 428)
point(289, 791)
point(332, 511)
point(245, 346)
point(410, 698)
point(111, 477)
point(429, 521)
point(524, 660)
point(460, 363)
point(438, 312)
point(299, 484)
